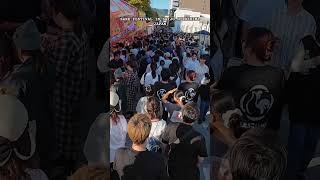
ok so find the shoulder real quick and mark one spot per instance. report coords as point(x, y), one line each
point(36, 174)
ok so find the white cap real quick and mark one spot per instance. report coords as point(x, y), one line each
point(114, 99)
point(13, 117)
point(167, 54)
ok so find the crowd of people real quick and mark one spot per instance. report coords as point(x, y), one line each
point(46, 49)
point(170, 80)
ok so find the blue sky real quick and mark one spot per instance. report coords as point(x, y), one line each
point(160, 4)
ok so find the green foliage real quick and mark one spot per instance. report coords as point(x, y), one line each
point(144, 5)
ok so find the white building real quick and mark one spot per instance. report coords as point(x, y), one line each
point(191, 26)
point(174, 4)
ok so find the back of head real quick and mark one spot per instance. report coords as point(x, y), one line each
point(190, 113)
point(257, 155)
point(191, 75)
point(261, 41)
point(165, 74)
point(139, 127)
point(153, 108)
point(91, 173)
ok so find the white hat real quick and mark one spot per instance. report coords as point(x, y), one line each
point(167, 54)
point(13, 117)
point(114, 99)
point(14, 123)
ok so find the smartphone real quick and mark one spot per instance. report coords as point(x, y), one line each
point(311, 47)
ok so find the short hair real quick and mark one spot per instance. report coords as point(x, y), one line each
point(165, 74)
point(191, 75)
point(190, 113)
point(116, 53)
point(257, 155)
point(260, 40)
point(91, 173)
point(139, 127)
point(194, 54)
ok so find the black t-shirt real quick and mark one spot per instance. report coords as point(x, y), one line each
point(257, 92)
point(204, 91)
point(19, 10)
point(186, 145)
point(190, 90)
point(133, 165)
point(115, 64)
point(161, 88)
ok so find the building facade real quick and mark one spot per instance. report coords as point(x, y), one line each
point(202, 6)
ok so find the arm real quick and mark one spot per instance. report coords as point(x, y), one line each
point(166, 96)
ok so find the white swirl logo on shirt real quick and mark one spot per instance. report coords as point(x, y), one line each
point(190, 94)
point(160, 93)
point(256, 103)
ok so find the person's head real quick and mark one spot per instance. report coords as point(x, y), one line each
point(132, 65)
point(153, 108)
point(259, 45)
point(27, 42)
point(190, 113)
point(180, 97)
point(124, 52)
point(91, 173)
point(191, 75)
point(257, 155)
point(223, 108)
point(189, 55)
point(175, 60)
point(149, 90)
point(203, 59)
point(65, 12)
point(194, 56)
point(115, 107)
point(139, 127)
point(116, 55)
point(165, 74)
point(17, 138)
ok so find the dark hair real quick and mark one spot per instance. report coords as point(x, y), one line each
point(190, 113)
point(194, 54)
point(188, 55)
point(116, 53)
point(165, 74)
point(132, 64)
point(124, 52)
point(153, 107)
point(154, 67)
point(204, 56)
point(191, 75)
point(257, 155)
point(180, 95)
point(71, 9)
point(261, 41)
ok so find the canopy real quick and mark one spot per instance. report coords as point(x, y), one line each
point(119, 28)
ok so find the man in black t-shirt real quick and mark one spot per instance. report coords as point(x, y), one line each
point(187, 147)
point(190, 87)
point(256, 87)
point(165, 85)
point(116, 62)
point(136, 163)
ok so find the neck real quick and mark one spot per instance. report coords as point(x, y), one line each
point(155, 120)
point(254, 61)
point(67, 25)
point(138, 148)
point(294, 8)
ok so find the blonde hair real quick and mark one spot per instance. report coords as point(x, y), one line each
point(91, 173)
point(139, 128)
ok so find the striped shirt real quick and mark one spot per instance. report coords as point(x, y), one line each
point(290, 29)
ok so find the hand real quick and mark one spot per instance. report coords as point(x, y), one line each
point(172, 91)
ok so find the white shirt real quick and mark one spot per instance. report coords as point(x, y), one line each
point(257, 12)
point(201, 71)
point(134, 51)
point(118, 133)
point(167, 63)
point(157, 128)
point(299, 26)
point(192, 64)
point(149, 80)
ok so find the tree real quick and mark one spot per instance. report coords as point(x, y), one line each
point(144, 5)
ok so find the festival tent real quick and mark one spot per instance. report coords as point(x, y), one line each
point(119, 28)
